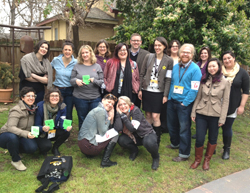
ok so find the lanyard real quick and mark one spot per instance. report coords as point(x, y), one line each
point(183, 72)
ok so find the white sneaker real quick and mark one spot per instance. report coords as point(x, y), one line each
point(19, 165)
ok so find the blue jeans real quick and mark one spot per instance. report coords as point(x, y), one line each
point(84, 106)
point(179, 123)
point(16, 145)
point(202, 124)
point(68, 100)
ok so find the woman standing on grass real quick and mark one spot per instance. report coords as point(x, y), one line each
point(173, 51)
point(86, 94)
point(15, 135)
point(36, 70)
point(52, 108)
point(63, 65)
point(155, 79)
point(209, 111)
point(121, 74)
point(239, 93)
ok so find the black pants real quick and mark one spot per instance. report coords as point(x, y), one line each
point(149, 142)
point(44, 144)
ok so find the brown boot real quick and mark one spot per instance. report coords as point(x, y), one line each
point(198, 157)
point(208, 155)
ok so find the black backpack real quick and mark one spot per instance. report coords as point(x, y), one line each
point(55, 169)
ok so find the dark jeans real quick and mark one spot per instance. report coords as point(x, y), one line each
point(39, 96)
point(68, 100)
point(179, 123)
point(202, 124)
point(44, 144)
point(84, 106)
point(16, 145)
point(227, 127)
point(149, 142)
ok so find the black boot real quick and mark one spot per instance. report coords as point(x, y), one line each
point(158, 133)
point(194, 136)
point(155, 163)
point(59, 141)
point(227, 144)
point(107, 153)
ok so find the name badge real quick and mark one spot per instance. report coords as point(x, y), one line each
point(178, 89)
point(51, 134)
point(154, 81)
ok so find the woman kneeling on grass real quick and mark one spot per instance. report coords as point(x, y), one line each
point(53, 109)
point(15, 135)
point(210, 111)
point(135, 130)
point(98, 122)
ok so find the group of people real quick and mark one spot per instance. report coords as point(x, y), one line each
point(109, 92)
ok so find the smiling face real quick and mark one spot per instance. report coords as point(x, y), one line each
point(186, 55)
point(67, 51)
point(212, 67)
point(85, 55)
point(123, 53)
point(159, 47)
point(54, 98)
point(135, 42)
point(123, 106)
point(29, 98)
point(43, 49)
point(204, 55)
point(228, 61)
point(108, 104)
point(102, 49)
point(174, 48)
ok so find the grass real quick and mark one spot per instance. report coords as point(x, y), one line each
point(128, 176)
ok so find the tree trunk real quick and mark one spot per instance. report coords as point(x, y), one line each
point(76, 38)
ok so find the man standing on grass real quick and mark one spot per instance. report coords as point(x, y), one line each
point(137, 54)
point(184, 87)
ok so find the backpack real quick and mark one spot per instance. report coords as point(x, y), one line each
point(54, 169)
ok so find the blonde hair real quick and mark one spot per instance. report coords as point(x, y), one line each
point(190, 46)
point(92, 55)
point(126, 99)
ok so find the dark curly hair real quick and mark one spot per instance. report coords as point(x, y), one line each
point(53, 89)
point(108, 53)
point(25, 90)
point(68, 43)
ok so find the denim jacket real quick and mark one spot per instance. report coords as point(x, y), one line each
point(96, 122)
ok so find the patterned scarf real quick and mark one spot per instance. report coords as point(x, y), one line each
point(31, 109)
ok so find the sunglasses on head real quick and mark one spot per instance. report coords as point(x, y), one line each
point(110, 97)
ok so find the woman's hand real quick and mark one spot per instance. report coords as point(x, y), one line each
point(140, 95)
point(118, 109)
point(91, 79)
point(220, 124)
point(69, 128)
point(79, 82)
point(164, 100)
point(193, 119)
point(46, 128)
point(30, 136)
point(240, 110)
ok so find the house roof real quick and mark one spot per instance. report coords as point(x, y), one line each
point(95, 15)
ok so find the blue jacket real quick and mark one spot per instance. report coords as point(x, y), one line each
point(63, 74)
point(190, 81)
point(61, 115)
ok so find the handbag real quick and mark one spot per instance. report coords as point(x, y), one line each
point(54, 169)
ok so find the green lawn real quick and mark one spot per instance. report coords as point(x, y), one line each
point(128, 176)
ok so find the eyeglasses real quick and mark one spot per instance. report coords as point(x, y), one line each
point(135, 40)
point(102, 47)
point(110, 97)
point(174, 46)
point(54, 96)
point(122, 51)
point(30, 96)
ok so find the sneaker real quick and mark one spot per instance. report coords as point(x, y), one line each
point(19, 165)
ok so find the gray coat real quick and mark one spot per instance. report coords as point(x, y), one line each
point(145, 73)
point(19, 121)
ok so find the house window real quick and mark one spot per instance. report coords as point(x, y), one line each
point(56, 33)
